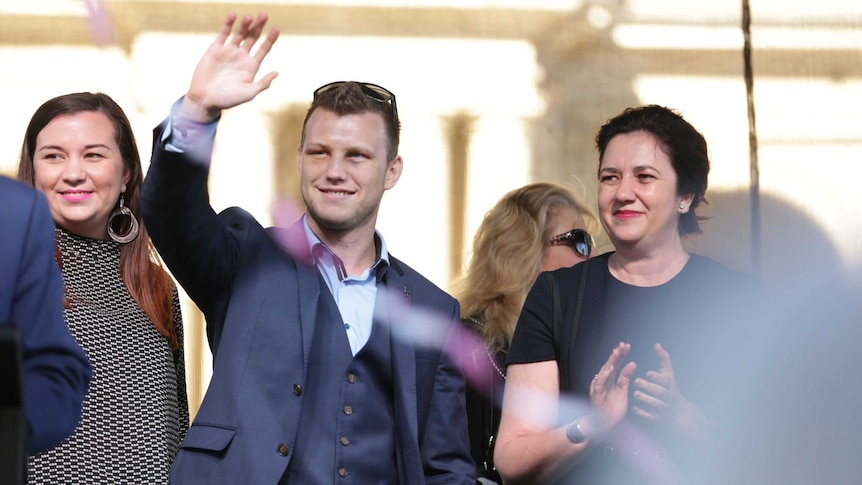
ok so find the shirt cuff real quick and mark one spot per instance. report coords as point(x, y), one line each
point(181, 135)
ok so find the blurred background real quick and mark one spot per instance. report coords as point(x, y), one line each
point(492, 95)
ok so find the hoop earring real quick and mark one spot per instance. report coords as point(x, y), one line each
point(123, 211)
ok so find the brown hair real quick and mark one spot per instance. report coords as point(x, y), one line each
point(348, 98)
point(144, 277)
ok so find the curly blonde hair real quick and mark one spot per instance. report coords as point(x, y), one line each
point(507, 258)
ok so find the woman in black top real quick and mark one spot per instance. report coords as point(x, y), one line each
point(612, 390)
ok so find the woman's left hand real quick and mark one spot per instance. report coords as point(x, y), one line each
point(657, 398)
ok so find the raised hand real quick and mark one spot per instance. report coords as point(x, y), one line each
point(657, 397)
point(225, 75)
point(609, 391)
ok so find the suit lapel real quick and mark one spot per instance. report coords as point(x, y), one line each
point(309, 293)
point(295, 243)
point(393, 297)
point(391, 306)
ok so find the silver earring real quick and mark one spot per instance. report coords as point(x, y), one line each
point(681, 206)
point(122, 212)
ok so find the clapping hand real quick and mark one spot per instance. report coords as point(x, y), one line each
point(658, 398)
point(225, 75)
point(609, 391)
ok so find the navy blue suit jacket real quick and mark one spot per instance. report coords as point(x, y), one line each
point(55, 371)
point(260, 304)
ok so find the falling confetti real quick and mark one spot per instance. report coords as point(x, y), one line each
point(99, 22)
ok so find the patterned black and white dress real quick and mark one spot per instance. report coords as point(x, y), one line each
point(135, 412)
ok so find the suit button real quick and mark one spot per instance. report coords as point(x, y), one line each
point(297, 389)
point(352, 378)
point(342, 472)
point(345, 440)
point(348, 410)
point(283, 449)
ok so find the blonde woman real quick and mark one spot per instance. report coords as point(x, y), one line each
point(538, 227)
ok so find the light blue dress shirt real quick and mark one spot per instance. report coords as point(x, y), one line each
point(354, 295)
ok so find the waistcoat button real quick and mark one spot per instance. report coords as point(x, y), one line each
point(283, 449)
point(345, 440)
point(352, 378)
point(342, 472)
point(348, 410)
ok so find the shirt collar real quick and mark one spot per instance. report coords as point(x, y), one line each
point(319, 249)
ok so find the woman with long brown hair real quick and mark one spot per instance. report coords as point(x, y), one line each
point(120, 304)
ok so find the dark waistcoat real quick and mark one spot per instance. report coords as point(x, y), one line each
point(346, 432)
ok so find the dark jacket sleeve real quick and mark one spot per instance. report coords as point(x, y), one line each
point(198, 248)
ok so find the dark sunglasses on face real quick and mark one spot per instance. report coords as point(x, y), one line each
point(373, 91)
point(579, 239)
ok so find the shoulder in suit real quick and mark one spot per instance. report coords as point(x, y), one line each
point(55, 370)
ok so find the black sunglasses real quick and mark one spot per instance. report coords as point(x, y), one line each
point(579, 239)
point(373, 91)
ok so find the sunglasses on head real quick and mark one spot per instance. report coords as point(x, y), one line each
point(579, 239)
point(373, 91)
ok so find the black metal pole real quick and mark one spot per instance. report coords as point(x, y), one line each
point(754, 165)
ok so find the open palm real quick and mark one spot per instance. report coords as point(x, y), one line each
point(225, 75)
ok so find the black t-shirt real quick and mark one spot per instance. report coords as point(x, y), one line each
point(696, 315)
